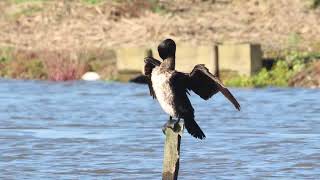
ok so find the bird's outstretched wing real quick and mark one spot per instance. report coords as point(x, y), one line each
point(150, 63)
point(205, 84)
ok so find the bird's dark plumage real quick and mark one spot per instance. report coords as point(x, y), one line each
point(172, 86)
point(179, 83)
point(167, 48)
point(205, 84)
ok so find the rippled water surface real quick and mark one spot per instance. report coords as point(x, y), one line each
point(81, 130)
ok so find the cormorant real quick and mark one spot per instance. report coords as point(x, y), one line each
point(172, 87)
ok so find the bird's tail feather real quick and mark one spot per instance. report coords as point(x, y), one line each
point(193, 128)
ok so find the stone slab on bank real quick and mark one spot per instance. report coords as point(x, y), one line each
point(245, 59)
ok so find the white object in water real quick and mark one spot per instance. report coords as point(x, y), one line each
point(90, 76)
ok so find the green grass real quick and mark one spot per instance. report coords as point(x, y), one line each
point(156, 7)
point(279, 75)
point(294, 40)
point(152, 5)
point(26, 1)
point(93, 2)
point(32, 8)
point(29, 11)
point(315, 3)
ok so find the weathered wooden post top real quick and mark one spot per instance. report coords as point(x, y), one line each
point(172, 151)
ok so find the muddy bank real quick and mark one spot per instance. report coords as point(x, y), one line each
point(308, 77)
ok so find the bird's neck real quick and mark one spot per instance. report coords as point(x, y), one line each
point(168, 64)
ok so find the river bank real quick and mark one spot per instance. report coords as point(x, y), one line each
point(57, 65)
point(61, 40)
point(295, 69)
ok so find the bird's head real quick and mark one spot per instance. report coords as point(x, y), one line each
point(167, 48)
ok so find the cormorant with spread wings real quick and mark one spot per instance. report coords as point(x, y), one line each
point(171, 87)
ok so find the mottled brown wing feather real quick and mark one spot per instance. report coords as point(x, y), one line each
point(205, 84)
point(152, 93)
point(150, 63)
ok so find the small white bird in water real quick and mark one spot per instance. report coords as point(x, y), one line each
point(90, 76)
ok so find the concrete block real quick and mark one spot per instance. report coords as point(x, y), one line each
point(130, 59)
point(256, 58)
point(246, 59)
point(187, 56)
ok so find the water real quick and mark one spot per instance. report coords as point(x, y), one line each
point(82, 130)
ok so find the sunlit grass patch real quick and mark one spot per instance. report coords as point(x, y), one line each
point(315, 3)
point(92, 1)
point(279, 75)
point(28, 11)
point(26, 1)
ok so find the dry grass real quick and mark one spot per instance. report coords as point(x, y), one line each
point(309, 77)
point(276, 24)
point(62, 39)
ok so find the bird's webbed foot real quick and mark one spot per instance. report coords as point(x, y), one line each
point(171, 123)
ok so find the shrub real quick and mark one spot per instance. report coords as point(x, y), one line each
point(57, 65)
point(100, 60)
point(63, 65)
point(315, 3)
point(21, 64)
point(280, 73)
point(278, 76)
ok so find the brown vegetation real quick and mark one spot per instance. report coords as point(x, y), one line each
point(60, 40)
point(309, 77)
point(58, 65)
point(276, 24)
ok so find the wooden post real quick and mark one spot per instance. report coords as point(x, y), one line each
point(216, 60)
point(172, 152)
